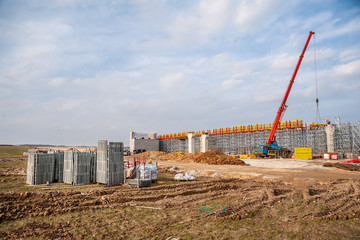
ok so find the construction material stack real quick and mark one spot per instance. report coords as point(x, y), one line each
point(303, 153)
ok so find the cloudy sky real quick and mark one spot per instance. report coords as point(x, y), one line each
point(73, 72)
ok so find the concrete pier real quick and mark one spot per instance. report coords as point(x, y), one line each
point(204, 143)
point(191, 143)
point(330, 138)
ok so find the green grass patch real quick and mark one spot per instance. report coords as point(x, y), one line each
point(12, 151)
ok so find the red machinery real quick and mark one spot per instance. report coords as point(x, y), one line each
point(270, 148)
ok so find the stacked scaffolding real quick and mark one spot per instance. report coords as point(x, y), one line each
point(110, 163)
point(59, 167)
point(79, 167)
point(40, 168)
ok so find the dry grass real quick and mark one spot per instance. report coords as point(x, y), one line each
point(12, 151)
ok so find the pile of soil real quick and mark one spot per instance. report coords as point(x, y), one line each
point(151, 154)
point(215, 157)
point(169, 156)
point(184, 157)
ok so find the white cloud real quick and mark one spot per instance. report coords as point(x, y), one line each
point(57, 82)
point(349, 69)
point(334, 29)
point(251, 15)
point(350, 54)
point(231, 83)
point(171, 81)
point(223, 17)
point(123, 60)
point(283, 61)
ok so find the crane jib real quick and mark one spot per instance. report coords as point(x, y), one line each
point(282, 108)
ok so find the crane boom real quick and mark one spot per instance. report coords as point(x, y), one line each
point(282, 108)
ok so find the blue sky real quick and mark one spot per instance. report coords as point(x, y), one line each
point(73, 72)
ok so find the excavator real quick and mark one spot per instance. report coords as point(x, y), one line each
point(271, 148)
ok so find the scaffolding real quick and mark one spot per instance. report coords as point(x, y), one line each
point(291, 134)
point(348, 138)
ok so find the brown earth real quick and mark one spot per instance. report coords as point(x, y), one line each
point(12, 171)
point(316, 205)
point(215, 157)
point(241, 199)
point(151, 154)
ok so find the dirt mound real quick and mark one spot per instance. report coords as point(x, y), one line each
point(151, 154)
point(169, 156)
point(183, 157)
point(215, 157)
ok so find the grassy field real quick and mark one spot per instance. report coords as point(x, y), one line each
point(12, 151)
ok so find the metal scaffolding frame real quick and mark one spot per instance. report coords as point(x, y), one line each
point(347, 140)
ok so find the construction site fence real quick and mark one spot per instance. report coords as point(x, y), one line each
point(292, 124)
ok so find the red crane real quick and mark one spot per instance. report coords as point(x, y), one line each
point(270, 145)
point(283, 106)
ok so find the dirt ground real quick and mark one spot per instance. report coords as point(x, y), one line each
point(277, 199)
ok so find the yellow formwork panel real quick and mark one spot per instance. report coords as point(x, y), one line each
point(240, 156)
point(303, 151)
point(303, 156)
point(245, 128)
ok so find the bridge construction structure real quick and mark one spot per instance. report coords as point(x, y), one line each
point(343, 138)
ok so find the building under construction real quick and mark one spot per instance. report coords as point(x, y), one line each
point(343, 138)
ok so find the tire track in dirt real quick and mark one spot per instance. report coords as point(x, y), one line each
point(341, 199)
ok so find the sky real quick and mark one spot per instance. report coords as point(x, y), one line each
point(73, 72)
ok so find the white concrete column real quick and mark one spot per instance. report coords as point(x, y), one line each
point(191, 143)
point(132, 141)
point(330, 138)
point(204, 143)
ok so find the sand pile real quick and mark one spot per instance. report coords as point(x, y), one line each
point(215, 157)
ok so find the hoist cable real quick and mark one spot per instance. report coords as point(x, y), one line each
point(317, 117)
